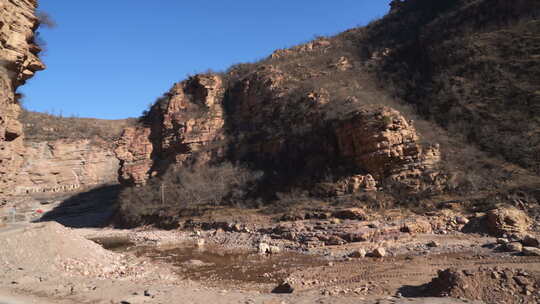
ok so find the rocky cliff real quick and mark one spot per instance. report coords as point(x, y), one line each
point(18, 63)
point(179, 129)
point(256, 121)
point(395, 113)
point(67, 154)
point(66, 165)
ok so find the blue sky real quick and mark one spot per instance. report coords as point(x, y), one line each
point(111, 58)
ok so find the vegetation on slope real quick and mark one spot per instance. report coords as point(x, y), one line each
point(465, 71)
point(49, 127)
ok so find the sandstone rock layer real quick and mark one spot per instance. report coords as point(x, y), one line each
point(63, 166)
point(256, 120)
point(184, 127)
point(18, 62)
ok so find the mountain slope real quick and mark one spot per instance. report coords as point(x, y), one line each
point(431, 102)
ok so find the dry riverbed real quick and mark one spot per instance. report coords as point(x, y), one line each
point(319, 259)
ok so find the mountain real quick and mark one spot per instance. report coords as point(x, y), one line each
point(435, 101)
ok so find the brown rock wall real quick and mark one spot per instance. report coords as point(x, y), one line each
point(184, 128)
point(18, 62)
point(63, 166)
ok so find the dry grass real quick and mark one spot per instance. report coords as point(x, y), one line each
point(48, 127)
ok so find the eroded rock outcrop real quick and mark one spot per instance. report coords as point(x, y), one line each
point(184, 128)
point(66, 165)
point(18, 62)
point(264, 125)
point(507, 220)
point(386, 145)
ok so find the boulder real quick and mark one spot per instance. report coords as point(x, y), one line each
point(417, 226)
point(358, 253)
point(350, 214)
point(507, 221)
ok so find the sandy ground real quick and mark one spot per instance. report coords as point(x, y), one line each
point(47, 262)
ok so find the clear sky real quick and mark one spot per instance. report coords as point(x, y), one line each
point(111, 58)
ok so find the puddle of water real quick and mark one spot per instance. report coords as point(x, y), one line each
point(114, 243)
point(214, 264)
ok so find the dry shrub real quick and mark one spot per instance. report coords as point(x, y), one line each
point(184, 190)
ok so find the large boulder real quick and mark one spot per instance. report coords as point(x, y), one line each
point(507, 220)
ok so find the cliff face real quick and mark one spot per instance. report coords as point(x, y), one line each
point(18, 62)
point(255, 121)
point(179, 129)
point(66, 165)
point(335, 116)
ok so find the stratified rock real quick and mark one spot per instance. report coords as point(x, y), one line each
point(386, 145)
point(356, 183)
point(18, 63)
point(507, 221)
point(351, 214)
point(66, 165)
point(178, 130)
point(417, 226)
point(268, 126)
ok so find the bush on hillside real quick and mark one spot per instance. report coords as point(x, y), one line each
point(185, 190)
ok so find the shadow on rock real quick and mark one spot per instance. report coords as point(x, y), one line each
point(476, 225)
point(410, 291)
point(90, 209)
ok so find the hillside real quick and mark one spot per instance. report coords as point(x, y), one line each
point(437, 101)
point(47, 127)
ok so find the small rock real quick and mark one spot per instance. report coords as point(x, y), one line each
point(264, 248)
point(462, 220)
point(149, 293)
point(433, 244)
point(379, 252)
point(237, 228)
point(514, 246)
point(335, 221)
point(274, 249)
point(531, 251)
point(359, 253)
point(284, 287)
point(195, 263)
point(530, 241)
point(200, 242)
point(502, 241)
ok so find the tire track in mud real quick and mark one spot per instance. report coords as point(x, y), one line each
point(397, 273)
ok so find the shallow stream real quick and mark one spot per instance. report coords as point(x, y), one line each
point(215, 264)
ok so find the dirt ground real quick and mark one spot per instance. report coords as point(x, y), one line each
point(315, 260)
